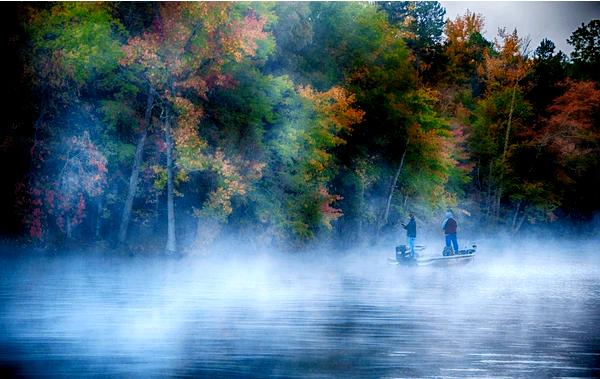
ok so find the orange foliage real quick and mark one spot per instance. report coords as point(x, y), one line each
point(509, 64)
point(461, 53)
point(335, 114)
point(336, 104)
point(460, 29)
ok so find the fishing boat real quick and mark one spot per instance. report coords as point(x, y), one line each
point(447, 258)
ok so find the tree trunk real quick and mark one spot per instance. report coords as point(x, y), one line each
point(504, 151)
point(520, 221)
point(392, 188)
point(135, 170)
point(361, 206)
point(98, 227)
point(497, 205)
point(156, 210)
point(510, 116)
point(68, 229)
point(488, 200)
point(171, 243)
point(131, 190)
point(515, 216)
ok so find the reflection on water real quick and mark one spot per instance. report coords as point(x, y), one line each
point(357, 317)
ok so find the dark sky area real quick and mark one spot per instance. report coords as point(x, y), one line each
point(554, 20)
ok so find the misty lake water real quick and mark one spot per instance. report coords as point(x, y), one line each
point(305, 317)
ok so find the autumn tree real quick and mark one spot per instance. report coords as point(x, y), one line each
point(571, 136)
point(464, 48)
point(294, 123)
point(367, 57)
point(72, 45)
point(181, 57)
point(304, 159)
point(499, 115)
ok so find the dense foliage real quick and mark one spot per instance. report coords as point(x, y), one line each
point(175, 124)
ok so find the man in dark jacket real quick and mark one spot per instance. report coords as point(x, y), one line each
point(411, 233)
point(450, 225)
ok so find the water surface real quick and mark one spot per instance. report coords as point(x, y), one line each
point(356, 316)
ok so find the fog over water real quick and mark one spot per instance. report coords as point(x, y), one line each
point(530, 310)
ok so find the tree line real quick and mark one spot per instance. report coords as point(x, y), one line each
point(171, 125)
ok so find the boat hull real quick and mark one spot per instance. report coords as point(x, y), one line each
point(461, 258)
point(451, 260)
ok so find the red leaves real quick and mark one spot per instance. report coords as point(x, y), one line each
point(218, 79)
point(575, 107)
point(35, 227)
point(79, 211)
point(30, 204)
point(328, 212)
point(50, 197)
point(568, 131)
point(83, 174)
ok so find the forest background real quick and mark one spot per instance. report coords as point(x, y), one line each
point(172, 126)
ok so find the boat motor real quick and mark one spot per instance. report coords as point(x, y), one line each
point(401, 252)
